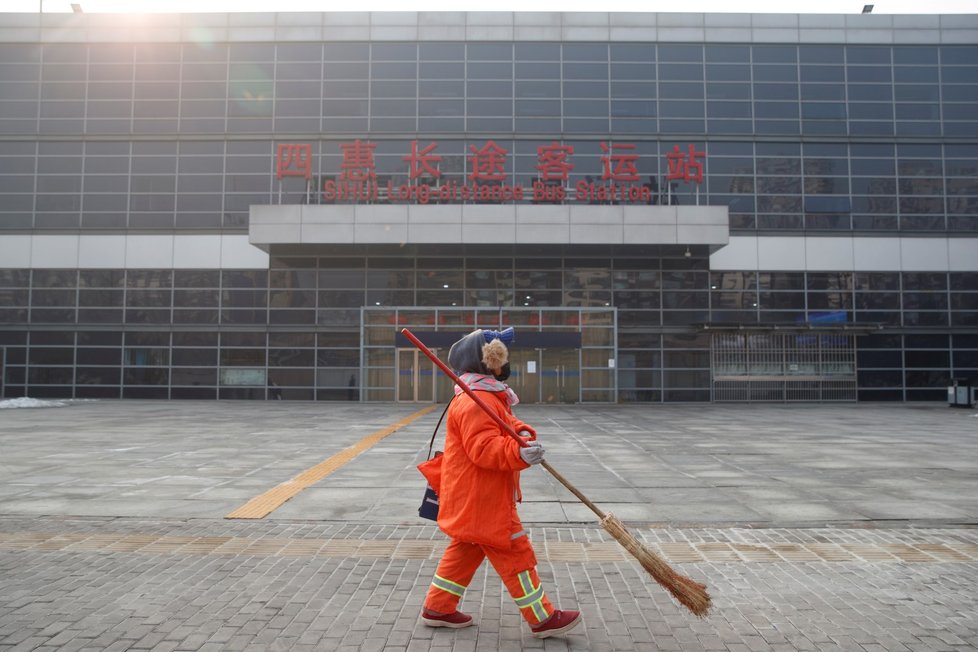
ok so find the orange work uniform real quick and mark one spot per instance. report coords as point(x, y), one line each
point(477, 498)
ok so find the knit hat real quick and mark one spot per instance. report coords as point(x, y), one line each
point(480, 351)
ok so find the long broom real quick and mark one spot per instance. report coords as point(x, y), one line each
point(688, 592)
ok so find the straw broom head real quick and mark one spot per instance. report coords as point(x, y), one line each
point(690, 593)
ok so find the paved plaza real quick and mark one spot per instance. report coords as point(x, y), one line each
point(154, 525)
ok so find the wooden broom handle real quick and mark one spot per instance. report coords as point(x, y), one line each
point(574, 490)
point(506, 428)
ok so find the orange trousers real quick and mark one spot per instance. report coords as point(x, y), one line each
point(516, 567)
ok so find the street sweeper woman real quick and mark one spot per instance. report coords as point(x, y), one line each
point(478, 491)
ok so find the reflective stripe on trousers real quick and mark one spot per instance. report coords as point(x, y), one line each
point(532, 597)
point(448, 586)
point(516, 566)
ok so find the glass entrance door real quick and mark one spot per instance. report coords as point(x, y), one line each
point(561, 377)
point(524, 378)
point(415, 377)
point(545, 375)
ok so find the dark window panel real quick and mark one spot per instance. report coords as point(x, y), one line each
point(925, 319)
point(54, 278)
point(292, 317)
point(772, 73)
point(596, 90)
point(52, 338)
point(924, 301)
point(98, 376)
point(53, 298)
point(49, 376)
point(925, 359)
point(728, 109)
point(830, 281)
point(345, 107)
point(725, 91)
point(857, 93)
point(873, 111)
point(151, 376)
point(964, 300)
point(774, 91)
point(408, 70)
point(781, 300)
point(443, 88)
point(346, 89)
point(52, 315)
point(347, 51)
point(876, 281)
point(868, 54)
point(242, 340)
point(297, 52)
point(865, 76)
point(52, 356)
point(205, 52)
point(810, 74)
point(193, 377)
point(682, 109)
point(541, 51)
point(630, 72)
point(779, 222)
point(917, 93)
point(489, 51)
point(959, 94)
point(196, 298)
point(354, 71)
point(99, 356)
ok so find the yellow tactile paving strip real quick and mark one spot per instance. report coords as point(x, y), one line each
point(263, 505)
point(573, 552)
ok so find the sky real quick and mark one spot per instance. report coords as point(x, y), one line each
point(695, 6)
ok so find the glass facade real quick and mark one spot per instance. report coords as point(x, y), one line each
point(180, 138)
point(801, 137)
point(183, 333)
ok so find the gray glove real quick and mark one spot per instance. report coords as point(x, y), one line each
point(533, 453)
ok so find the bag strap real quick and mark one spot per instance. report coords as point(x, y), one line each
point(431, 444)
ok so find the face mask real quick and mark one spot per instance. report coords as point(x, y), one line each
point(503, 373)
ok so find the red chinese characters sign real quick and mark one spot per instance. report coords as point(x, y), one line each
point(685, 166)
point(487, 176)
point(293, 161)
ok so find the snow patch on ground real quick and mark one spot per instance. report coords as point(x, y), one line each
point(26, 402)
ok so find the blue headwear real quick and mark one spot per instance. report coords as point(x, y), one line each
point(507, 335)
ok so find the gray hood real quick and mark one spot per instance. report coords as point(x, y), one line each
point(466, 355)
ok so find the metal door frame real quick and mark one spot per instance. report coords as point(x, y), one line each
point(419, 358)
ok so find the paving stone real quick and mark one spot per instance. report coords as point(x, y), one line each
point(142, 580)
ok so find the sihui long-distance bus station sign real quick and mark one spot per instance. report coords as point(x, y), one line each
point(486, 181)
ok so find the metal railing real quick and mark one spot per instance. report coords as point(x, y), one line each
point(783, 366)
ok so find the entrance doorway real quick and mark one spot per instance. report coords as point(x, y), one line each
point(546, 375)
point(537, 376)
point(416, 377)
point(560, 355)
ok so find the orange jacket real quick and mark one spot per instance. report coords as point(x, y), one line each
point(480, 473)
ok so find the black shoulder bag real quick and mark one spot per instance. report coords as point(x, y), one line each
point(431, 469)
